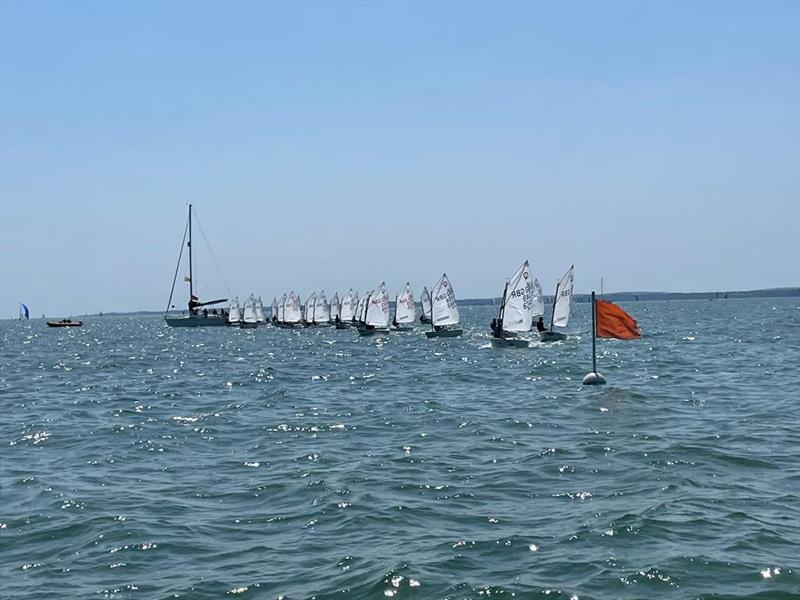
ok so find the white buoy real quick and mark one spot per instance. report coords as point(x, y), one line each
point(594, 378)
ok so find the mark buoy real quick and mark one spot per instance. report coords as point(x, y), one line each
point(594, 378)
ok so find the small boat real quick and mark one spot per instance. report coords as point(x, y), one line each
point(347, 310)
point(250, 316)
point(425, 317)
point(65, 323)
point(234, 313)
point(562, 306)
point(376, 312)
point(405, 310)
point(196, 317)
point(515, 316)
point(361, 306)
point(24, 313)
point(308, 311)
point(292, 313)
point(260, 310)
point(322, 311)
point(444, 311)
point(336, 308)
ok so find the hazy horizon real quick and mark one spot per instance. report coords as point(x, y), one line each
point(338, 145)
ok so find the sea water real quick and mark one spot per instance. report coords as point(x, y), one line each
point(141, 461)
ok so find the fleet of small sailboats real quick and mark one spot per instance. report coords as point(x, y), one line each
point(522, 302)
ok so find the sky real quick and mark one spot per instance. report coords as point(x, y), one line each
point(336, 145)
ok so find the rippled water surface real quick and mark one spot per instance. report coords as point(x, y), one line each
point(140, 461)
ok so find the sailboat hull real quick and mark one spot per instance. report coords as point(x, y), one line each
point(375, 331)
point(446, 333)
point(552, 336)
point(248, 325)
point(509, 343)
point(196, 321)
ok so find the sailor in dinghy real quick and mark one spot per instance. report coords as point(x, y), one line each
point(308, 312)
point(250, 317)
point(234, 313)
point(347, 311)
point(425, 299)
point(292, 314)
point(444, 311)
point(322, 311)
point(376, 312)
point(515, 315)
point(336, 308)
point(405, 310)
point(274, 311)
point(562, 306)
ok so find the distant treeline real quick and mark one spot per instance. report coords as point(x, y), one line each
point(613, 296)
point(643, 296)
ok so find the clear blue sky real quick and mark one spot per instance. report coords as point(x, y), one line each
point(330, 145)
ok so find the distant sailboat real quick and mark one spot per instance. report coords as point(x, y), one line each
point(234, 312)
point(516, 315)
point(292, 313)
point(260, 310)
point(347, 311)
point(322, 310)
point(376, 312)
point(361, 307)
point(195, 317)
point(425, 317)
point(250, 317)
point(444, 310)
point(336, 308)
point(562, 306)
point(405, 310)
point(308, 312)
point(24, 313)
point(274, 311)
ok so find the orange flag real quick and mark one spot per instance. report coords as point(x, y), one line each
point(613, 322)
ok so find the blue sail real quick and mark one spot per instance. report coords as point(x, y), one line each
point(25, 311)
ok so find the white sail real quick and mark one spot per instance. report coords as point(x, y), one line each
point(406, 308)
point(360, 309)
point(444, 310)
point(274, 309)
point(292, 312)
point(563, 300)
point(348, 307)
point(517, 315)
point(234, 312)
point(259, 310)
point(336, 307)
point(426, 303)
point(308, 313)
point(377, 312)
point(282, 309)
point(537, 304)
point(250, 315)
point(322, 310)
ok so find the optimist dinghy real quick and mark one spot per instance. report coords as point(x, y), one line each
point(444, 311)
point(405, 310)
point(562, 306)
point(376, 312)
point(515, 315)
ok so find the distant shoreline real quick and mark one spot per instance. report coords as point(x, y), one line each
point(783, 292)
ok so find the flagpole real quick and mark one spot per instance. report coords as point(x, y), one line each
point(594, 378)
